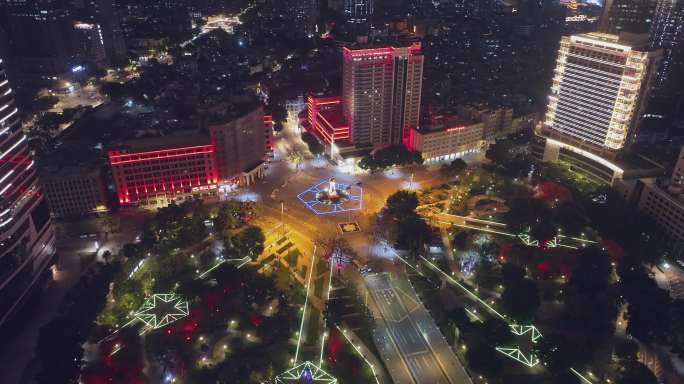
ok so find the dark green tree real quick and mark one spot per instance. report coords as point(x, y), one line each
point(676, 332)
point(459, 318)
point(335, 310)
point(648, 306)
point(496, 332)
point(454, 168)
point(133, 251)
point(521, 300)
point(315, 146)
point(566, 377)
point(637, 373)
point(401, 204)
point(532, 215)
point(250, 241)
point(590, 298)
point(511, 274)
point(278, 112)
point(485, 360)
point(559, 352)
point(626, 350)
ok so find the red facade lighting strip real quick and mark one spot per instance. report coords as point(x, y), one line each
point(413, 49)
point(115, 158)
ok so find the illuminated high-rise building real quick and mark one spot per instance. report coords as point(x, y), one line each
point(381, 90)
point(597, 95)
point(358, 10)
point(597, 91)
point(26, 235)
point(305, 14)
point(668, 33)
point(104, 13)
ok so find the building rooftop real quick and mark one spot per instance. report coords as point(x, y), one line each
point(72, 159)
point(632, 40)
point(442, 123)
point(174, 140)
point(232, 109)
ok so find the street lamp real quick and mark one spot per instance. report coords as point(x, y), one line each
point(282, 216)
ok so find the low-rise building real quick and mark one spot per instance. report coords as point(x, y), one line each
point(496, 122)
point(665, 206)
point(446, 138)
point(663, 199)
point(157, 171)
point(74, 190)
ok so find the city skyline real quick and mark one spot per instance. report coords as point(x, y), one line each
point(341, 191)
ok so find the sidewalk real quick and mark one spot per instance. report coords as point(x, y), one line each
point(19, 351)
point(378, 367)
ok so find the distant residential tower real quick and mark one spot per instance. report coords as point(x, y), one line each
point(358, 10)
point(668, 33)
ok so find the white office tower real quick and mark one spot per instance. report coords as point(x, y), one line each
point(599, 89)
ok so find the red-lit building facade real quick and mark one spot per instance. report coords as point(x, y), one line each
point(326, 119)
point(380, 102)
point(170, 172)
point(444, 138)
point(231, 151)
point(242, 141)
point(381, 92)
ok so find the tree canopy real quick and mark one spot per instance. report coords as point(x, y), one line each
point(315, 146)
point(390, 156)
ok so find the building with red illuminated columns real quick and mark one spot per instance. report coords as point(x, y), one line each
point(230, 151)
point(158, 171)
point(326, 119)
point(381, 91)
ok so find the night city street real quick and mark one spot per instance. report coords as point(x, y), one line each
point(342, 191)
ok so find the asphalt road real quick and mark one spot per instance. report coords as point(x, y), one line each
point(416, 349)
point(412, 347)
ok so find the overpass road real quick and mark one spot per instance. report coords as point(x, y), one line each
point(413, 346)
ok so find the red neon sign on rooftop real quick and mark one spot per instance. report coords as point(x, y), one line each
point(380, 53)
point(456, 129)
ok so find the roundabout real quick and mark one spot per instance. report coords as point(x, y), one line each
point(330, 197)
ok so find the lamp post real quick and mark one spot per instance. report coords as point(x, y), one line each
point(282, 216)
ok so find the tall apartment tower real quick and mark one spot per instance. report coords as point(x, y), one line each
point(358, 10)
point(26, 235)
point(104, 13)
point(381, 90)
point(633, 16)
point(305, 15)
point(598, 90)
point(668, 33)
